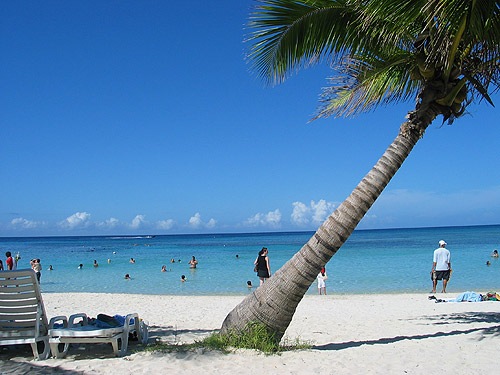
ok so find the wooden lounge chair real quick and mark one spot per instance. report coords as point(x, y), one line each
point(78, 330)
point(22, 314)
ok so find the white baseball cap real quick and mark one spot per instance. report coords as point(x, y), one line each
point(442, 242)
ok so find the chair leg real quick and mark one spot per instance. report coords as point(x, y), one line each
point(59, 350)
point(144, 333)
point(45, 350)
point(120, 344)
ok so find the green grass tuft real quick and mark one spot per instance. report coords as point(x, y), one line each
point(254, 336)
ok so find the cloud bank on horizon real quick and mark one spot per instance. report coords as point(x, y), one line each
point(303, 216)
point(390, 210)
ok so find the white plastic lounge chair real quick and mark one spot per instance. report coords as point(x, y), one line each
point(23, 321)
point(22, 314)
point(77, 330)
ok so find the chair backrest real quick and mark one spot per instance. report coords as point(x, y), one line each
point(22, 314)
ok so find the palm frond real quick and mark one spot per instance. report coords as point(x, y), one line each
point(393, 22)
point(368, 81)
point(482, 27)
point(292, 34)
point(374, 45)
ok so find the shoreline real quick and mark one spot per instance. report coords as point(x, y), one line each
point(370, 333)
point(447, 295)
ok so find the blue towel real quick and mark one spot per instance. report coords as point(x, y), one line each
point(105, 321)
point(121, 319)
point(467, 297)
point(100, 324)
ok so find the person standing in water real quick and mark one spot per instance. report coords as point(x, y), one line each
point(262, 265)
point(193, 262)
point(10, 261)
point(441, 266)
point(37, 267)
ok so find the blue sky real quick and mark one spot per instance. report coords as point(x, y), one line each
point(141, 117)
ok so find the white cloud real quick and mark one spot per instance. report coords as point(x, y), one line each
point(271, 219)
point(21, 223)
point(211, 223)
point(138, 221)
point(196, 222)
point(300, 213)
point(165, 224)
point(315, 213)
point(321, 210)
point(77, 220)
point(109, 223)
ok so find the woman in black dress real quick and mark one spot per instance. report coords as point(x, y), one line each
point(262, 263)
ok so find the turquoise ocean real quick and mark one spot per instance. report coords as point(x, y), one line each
point(371, 261)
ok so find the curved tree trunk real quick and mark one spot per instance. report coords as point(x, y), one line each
point(275, 302)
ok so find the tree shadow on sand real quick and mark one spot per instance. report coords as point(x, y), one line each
point(466, 317)
point(24, 354)
point(160, 333)
point(8, 366)
point(462, 318)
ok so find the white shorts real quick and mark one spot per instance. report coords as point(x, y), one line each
point(321, 283)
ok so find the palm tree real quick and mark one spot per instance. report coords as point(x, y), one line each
point(444, 53)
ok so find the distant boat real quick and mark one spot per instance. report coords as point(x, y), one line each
point(150, 237)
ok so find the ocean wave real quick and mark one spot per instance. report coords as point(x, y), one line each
point(128, 237)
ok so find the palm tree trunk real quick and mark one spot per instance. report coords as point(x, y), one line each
point(274, 303)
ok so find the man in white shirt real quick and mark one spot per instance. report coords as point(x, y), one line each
point(441, 266)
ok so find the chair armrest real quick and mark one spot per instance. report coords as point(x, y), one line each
point(73, 317)
point(128, 318)
point(135, 327)
point(55, 319)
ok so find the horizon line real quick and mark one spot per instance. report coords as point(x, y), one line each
point(149, 236)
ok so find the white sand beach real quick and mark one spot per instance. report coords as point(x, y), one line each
point(374, 334)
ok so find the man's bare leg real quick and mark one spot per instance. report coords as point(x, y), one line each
point(444, 285)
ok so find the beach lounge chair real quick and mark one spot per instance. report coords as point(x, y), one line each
point(22, 314)
point(77, 330)
point(23, 321)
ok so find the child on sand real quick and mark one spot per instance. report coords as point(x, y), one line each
point(321, 281)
